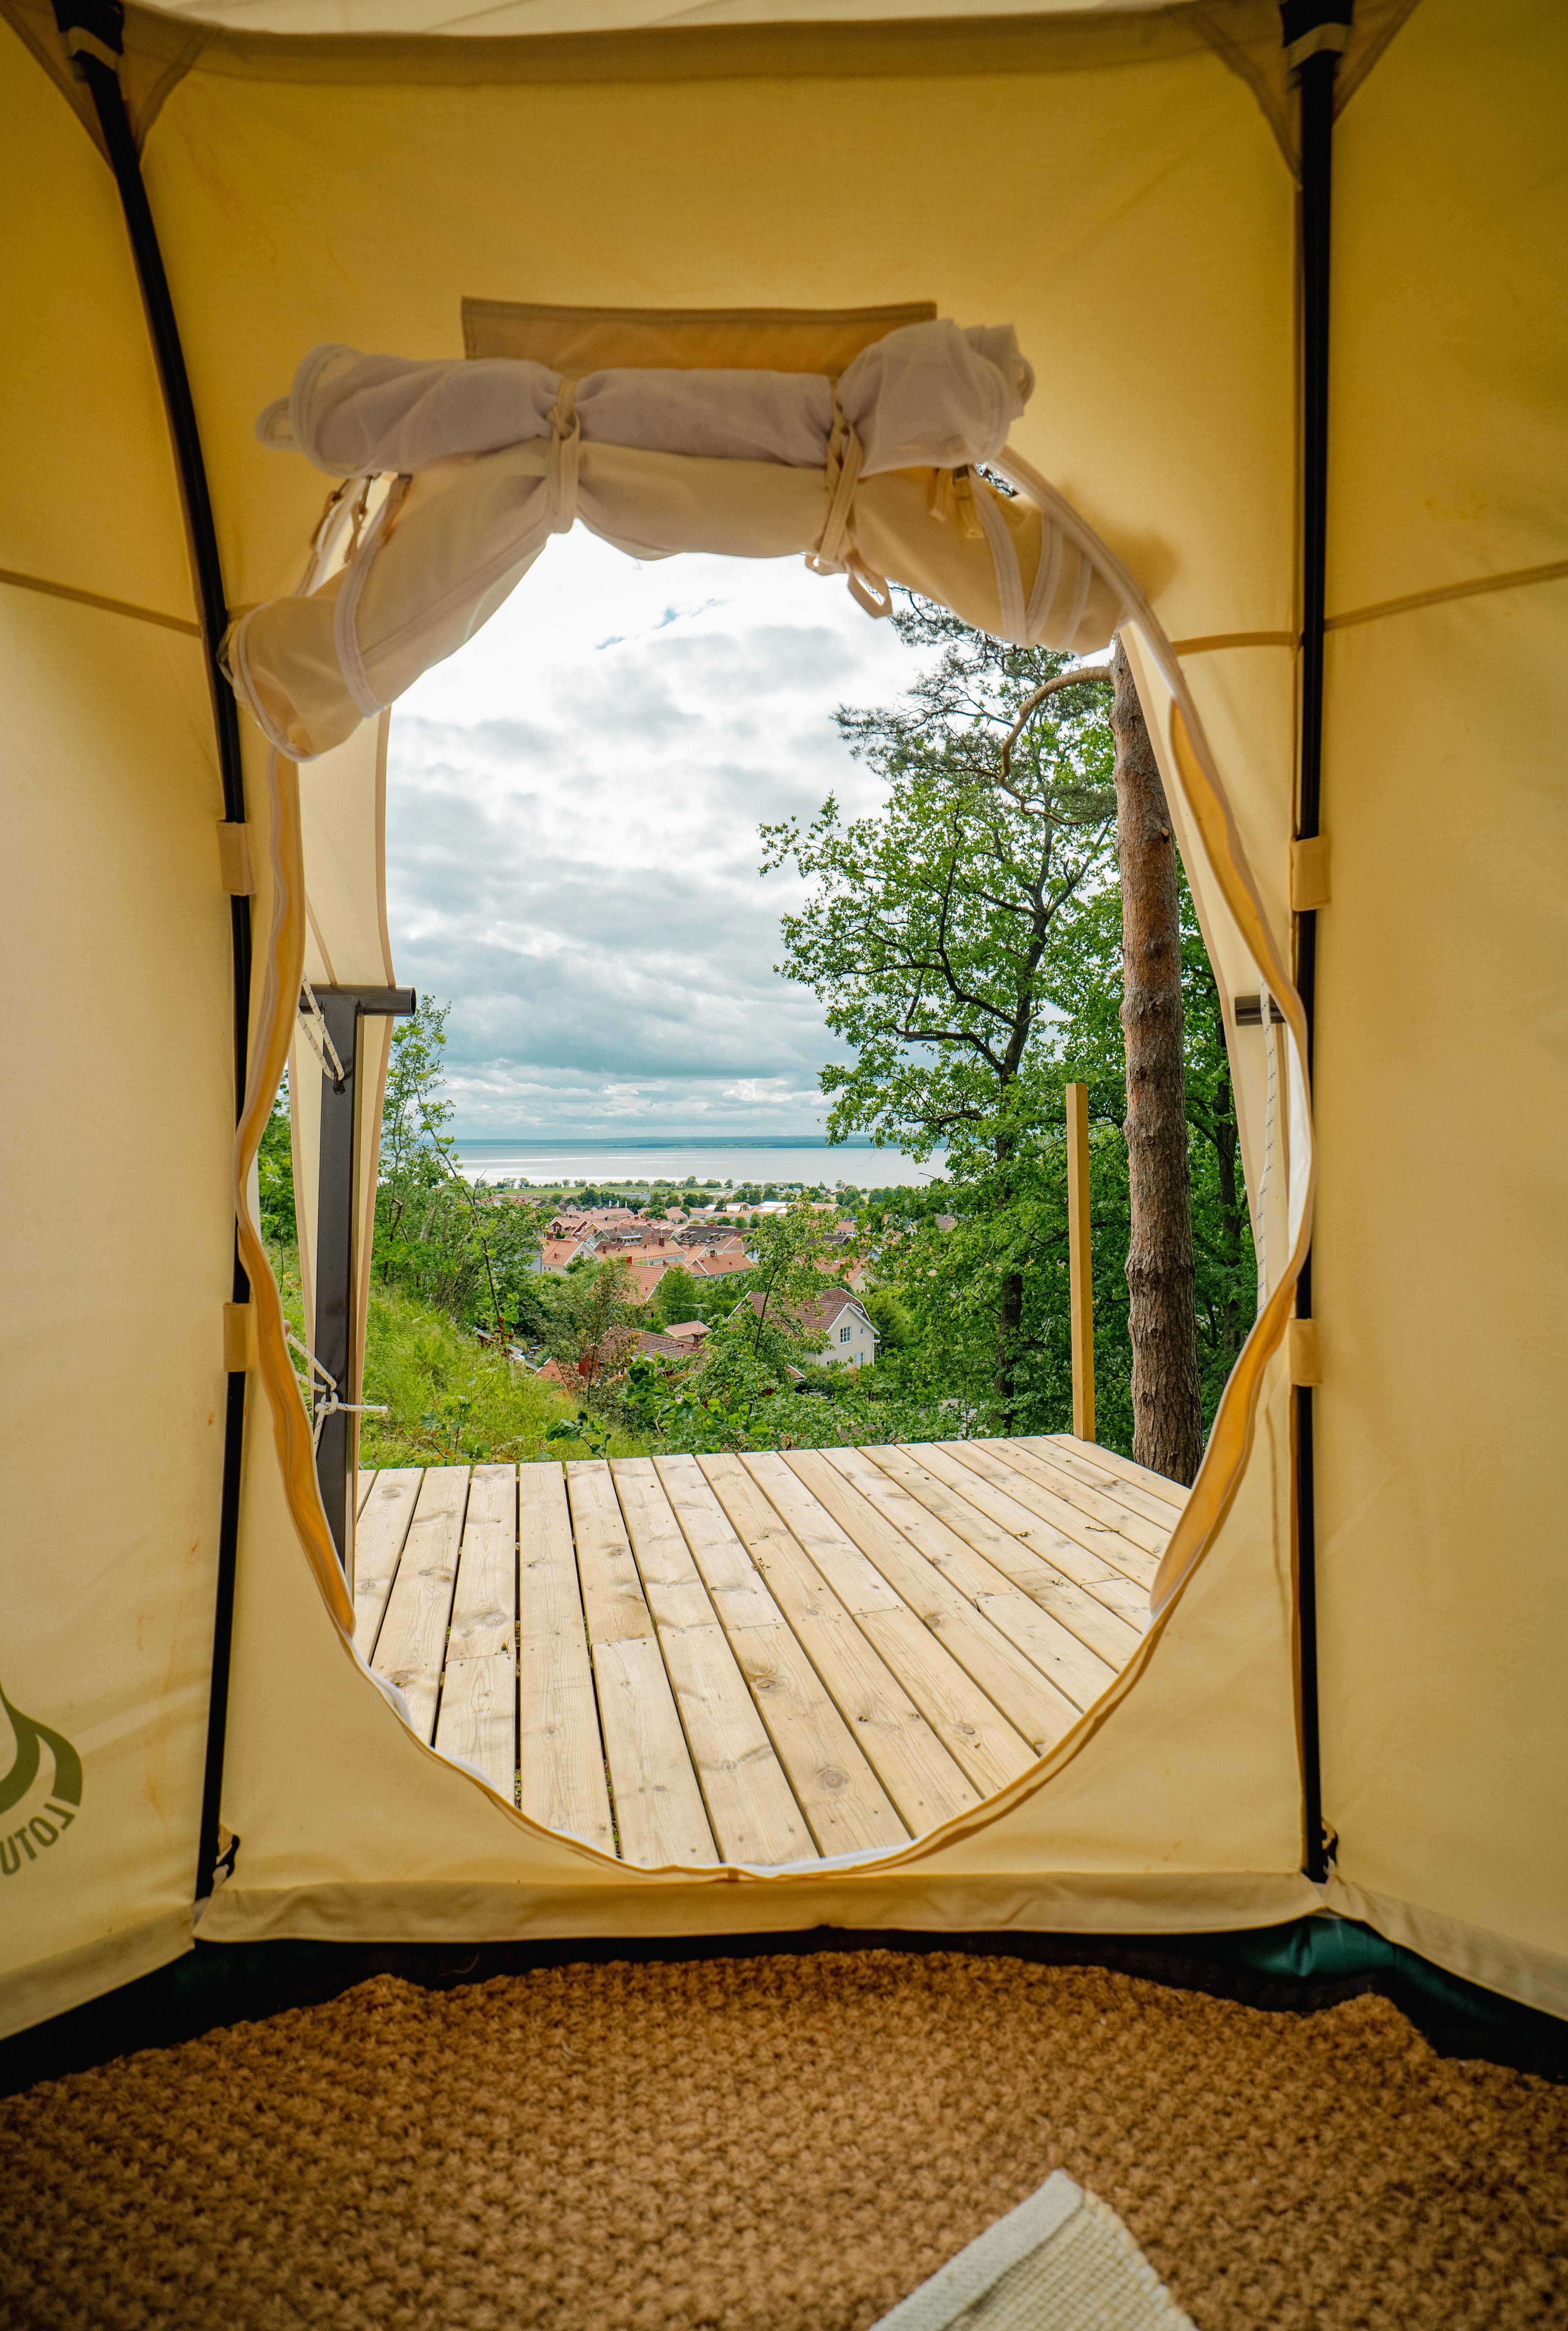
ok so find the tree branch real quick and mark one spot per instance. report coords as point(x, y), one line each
point(1097, 678)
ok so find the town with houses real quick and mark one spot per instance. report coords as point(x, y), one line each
point(708, 1243)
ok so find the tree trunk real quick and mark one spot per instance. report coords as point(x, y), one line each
point(1167, 1410)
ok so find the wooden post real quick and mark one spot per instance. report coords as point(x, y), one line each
point(1079, 1261)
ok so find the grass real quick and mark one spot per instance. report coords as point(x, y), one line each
point(449, 1401)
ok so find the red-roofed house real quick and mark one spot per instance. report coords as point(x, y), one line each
point(670, 1345)
point(688, 1333)
point(723, 1264)
point(645, 1277)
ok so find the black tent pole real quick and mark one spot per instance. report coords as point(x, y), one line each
point(1316, 33)
point(92, 30)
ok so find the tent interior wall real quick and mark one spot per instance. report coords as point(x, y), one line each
point(1120, 186)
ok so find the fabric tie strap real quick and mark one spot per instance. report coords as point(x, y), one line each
point(836, 553)
point(561, 461)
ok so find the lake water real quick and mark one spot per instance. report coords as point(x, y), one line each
point(811, 1162)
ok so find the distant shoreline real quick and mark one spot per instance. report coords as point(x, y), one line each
point(783, 1160)
point(674, 1141)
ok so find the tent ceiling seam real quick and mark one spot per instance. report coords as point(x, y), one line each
point(1515, 579)
point(19, 582)
point(1213, 640)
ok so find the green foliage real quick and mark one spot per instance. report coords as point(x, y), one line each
point(596, 1327)
point(590, 1196)
point(463, 1247)
point(892, 1318)
point(760, 1384)
point(448, 1400)
point(1090, 994)
point(585, 1432)
point(275, 1170)
point(928, 931)
point(678, 1298)
point(950, 1284)
point(966, 941)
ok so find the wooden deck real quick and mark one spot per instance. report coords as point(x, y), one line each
point(761, 1659)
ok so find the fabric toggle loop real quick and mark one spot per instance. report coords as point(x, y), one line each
point(561, 461)
point(836, 553)
point(950, 500)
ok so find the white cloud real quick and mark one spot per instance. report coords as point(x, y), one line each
point(572, 815)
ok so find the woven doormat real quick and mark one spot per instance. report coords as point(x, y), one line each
point(1061, 2261)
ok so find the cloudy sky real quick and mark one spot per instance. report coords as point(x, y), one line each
point(572, 815)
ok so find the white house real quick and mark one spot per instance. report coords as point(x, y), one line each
point(844, 1320)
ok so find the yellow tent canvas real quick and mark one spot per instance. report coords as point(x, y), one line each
point(1122, 186)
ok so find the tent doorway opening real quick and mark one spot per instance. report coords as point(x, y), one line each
point(756, 1657)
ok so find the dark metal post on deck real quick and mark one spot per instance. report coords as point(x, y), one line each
point(337, 1255)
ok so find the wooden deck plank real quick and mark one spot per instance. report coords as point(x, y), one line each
point(1015, 1686)
point(660, 1814)
point(1111, 1461)
point(948, 1540)
point(1086, 1514)
point(833, 1782)
point(925, 1783)
point(484, 1609)
point(479, 1717)
point(366, 1483)
point(1039, 1456)
point(411, 1649)
point(378, 1540)
point(751, 1806)
point(1100, 1605)
point(1017, 1507)
point(1007, 1525)
point(983, 1743)
point(1046, 1472)
point(1022, 1506)
point(560, 1751)
point(1043, 1473)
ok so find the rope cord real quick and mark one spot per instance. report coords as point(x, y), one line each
point(319, 1036)
point(324, 1403)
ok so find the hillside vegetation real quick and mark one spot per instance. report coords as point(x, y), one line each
point(449, 1401)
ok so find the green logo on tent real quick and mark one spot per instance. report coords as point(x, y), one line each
point(41, 1831)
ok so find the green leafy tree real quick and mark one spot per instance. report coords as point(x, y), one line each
point(930, 932)
point(946, 1282)
point(275, 1173)
point(928, 901)
point(466, 1248)
point(679, 1297)
point(592, 1325)
point(788, 1252)
point(889, 1315)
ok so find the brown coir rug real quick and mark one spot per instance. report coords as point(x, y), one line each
point(774, 2144)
